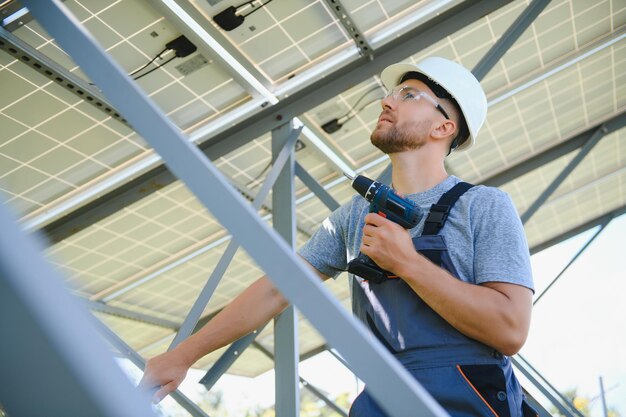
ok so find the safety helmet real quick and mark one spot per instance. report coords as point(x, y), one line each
point(457, 80)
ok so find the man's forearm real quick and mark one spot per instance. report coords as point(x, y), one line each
point(254, 307)
point(497, 314)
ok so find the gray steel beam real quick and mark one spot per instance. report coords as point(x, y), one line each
point(568, 145)
point(229, 357)
point(576, 256)
point(128, 314)
point(346, 20)
point(372, 362)
point(314, 94)
point(510, 36)
point(286, 323)
point(584, 151)
point(39, 62)
point(51, 349)
point(235, 350)
point(317, 189)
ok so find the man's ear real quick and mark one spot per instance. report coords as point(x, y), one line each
point(445, 129)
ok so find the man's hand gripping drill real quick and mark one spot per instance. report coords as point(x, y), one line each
point(387, 203)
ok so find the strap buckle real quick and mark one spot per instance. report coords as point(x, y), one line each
point(438, 214)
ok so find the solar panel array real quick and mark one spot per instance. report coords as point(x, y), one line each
point(564, 76)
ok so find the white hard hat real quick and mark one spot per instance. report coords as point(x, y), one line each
point(457, 80)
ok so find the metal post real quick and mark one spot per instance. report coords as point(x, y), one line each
point(317, 189)
point(286, 324)
point(284, 155)
point(376, 366)
point(228, 358)
point(236, 348)
point(306, 384)
point(602, 396)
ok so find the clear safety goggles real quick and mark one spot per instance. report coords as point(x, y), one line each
point(406, 93)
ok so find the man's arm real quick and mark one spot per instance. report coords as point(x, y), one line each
point(495, 313)
point(255, 306)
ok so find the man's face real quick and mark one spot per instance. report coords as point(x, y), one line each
point(406, 123)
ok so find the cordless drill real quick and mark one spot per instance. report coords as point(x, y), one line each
point(387, 203)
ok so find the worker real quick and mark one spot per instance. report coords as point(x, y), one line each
point(460, 302)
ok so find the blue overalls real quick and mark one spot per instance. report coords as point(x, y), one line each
point(465, 376)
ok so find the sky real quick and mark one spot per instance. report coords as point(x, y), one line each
point(578, 331)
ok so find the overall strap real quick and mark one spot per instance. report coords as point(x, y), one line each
point(439, 212)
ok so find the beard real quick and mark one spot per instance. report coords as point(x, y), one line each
point(394, 140)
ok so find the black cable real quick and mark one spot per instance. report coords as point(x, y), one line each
point(337, 123)
point(359, 100)
point(358, 111)
point(155, 68)
point(255, 179)
point(149, 62)
point(251, 4)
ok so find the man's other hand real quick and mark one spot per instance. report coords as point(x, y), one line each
point(163, 373)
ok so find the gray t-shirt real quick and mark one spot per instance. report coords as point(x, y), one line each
point(483, 233)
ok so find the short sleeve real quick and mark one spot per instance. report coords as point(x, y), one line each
point(500, 248)
point(326, 250)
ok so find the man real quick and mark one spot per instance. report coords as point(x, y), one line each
point(461, 299)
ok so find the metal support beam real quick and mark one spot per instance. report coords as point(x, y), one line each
point(51, 348)
point(286, 324)
point(372, 362)
point(283, 157)
point(140, 363)
point(317, 189)
point(217, 144)
point(235, 350)
point(229, 357)
point(128, 314)
point(306, 384)
point(547, 389)
point(510, 36)
point(580, 252)
point(543, 197)
point(346, 20)
point(28, 55)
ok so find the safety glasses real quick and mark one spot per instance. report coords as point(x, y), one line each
point(406, 93)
